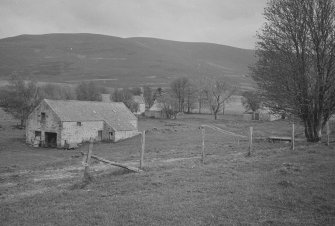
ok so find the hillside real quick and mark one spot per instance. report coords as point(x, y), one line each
point(116, 61)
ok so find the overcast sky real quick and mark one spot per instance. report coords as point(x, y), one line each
point(228, 22)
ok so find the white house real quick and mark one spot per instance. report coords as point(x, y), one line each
point(141, 104)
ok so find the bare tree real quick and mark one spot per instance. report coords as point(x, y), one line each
point(200, 94)
point(201, 97)
point(19, 98)
point(126, 97)
point(296, 61)
point(148, 96)
point(157, 93)
point(89, 91)
point(136, 91)
point(169, 104)
point(190, 96)
point(217, 93)
point(178, 90)
point(57, 92)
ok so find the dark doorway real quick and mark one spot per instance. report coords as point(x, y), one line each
point(100, 134)
point(50, 140)
point(255, 116)
point(37, 134)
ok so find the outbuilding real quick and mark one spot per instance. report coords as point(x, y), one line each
point(263, 114)
point(57, 123)
point(156, 110)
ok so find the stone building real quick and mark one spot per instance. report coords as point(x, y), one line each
point(156, 110)
point(55, 123)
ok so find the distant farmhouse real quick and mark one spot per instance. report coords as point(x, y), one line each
point(156, 110)
point(263, 114)
point(141, 104)
point(56, 123)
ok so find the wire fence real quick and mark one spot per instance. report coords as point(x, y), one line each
point(247, 139)
point(121, 151)
point(209, 139)
point(216, 140)
point(259, 138)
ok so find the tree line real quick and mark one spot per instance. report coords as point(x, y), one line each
point(184, 95)
point(20, 97)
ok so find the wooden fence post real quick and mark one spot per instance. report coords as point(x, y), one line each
point(87, 161)
point(250, 141)
point(142, 149)
point(292, 139)
point(203, 145)
point(328, 132)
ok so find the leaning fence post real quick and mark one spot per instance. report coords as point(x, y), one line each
point(292, 142)
point(328, 132)
point(142, 149)
point(250, 141)
point(203, 145)
point(87, 160)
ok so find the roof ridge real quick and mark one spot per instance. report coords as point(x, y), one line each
point(89, 101)
point(47, 100)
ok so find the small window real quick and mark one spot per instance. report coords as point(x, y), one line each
point(42, 116)
point(78, 123)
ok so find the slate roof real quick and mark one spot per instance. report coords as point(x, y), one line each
point(115, 114)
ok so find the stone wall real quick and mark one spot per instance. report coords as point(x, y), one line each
point(35, 123)
point(74, 133)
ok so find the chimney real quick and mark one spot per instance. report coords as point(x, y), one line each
point(106, 98)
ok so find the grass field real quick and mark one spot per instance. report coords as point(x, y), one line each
point(275, 186)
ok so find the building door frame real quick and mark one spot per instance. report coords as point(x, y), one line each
point(50, 139)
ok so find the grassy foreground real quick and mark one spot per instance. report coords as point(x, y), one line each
point(275, 186)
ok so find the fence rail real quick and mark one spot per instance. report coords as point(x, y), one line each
point(256, 138)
